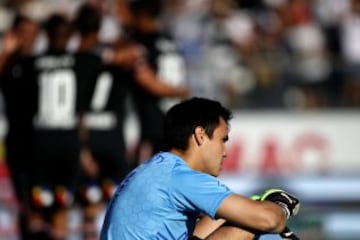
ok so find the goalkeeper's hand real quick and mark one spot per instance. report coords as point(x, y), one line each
point(287, 234)
point(290, 203)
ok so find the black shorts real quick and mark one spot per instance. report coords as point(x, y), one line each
point(54, 169)
point(109, 150)
point(55, 156)
point(194, 238)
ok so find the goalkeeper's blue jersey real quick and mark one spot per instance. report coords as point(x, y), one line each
point(161, 199)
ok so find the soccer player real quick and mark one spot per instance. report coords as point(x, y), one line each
point(175, 194)
point(55, 146)
point(164, 59)
point(18, 45)
point(103, 157)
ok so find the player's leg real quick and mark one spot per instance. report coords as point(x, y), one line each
point(18, 159)
point(207, 228)
point(235, 233)
point(40, 193)
point(62, 176)
point(230, 233)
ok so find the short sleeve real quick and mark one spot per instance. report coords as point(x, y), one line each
point(198, 192)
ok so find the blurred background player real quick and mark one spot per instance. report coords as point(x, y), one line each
point(103, 155)
point(18, 44)
point(56, 103)
point(161, 53)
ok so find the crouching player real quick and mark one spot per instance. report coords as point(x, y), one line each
point(176, 194)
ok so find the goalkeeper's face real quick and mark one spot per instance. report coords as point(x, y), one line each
point(214, 152)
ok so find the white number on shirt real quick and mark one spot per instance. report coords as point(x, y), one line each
point(57, 99)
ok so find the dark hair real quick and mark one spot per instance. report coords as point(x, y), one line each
point(87, 20)
point(56, 26)
point(19, 19)
point(182, 119)
point(152, 8)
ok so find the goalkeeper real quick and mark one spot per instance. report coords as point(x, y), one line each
point(176, 194)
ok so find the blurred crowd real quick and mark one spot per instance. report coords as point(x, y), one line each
point(70, 71)
point(272, 53)
point(300, 54)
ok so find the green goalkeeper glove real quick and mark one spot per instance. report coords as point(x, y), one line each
point(255, 197)
point(286, 234)
point(290, 203)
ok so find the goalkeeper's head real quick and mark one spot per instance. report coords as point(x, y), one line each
point(182, 120)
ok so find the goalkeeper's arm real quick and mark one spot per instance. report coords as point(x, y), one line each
point(264, 216)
